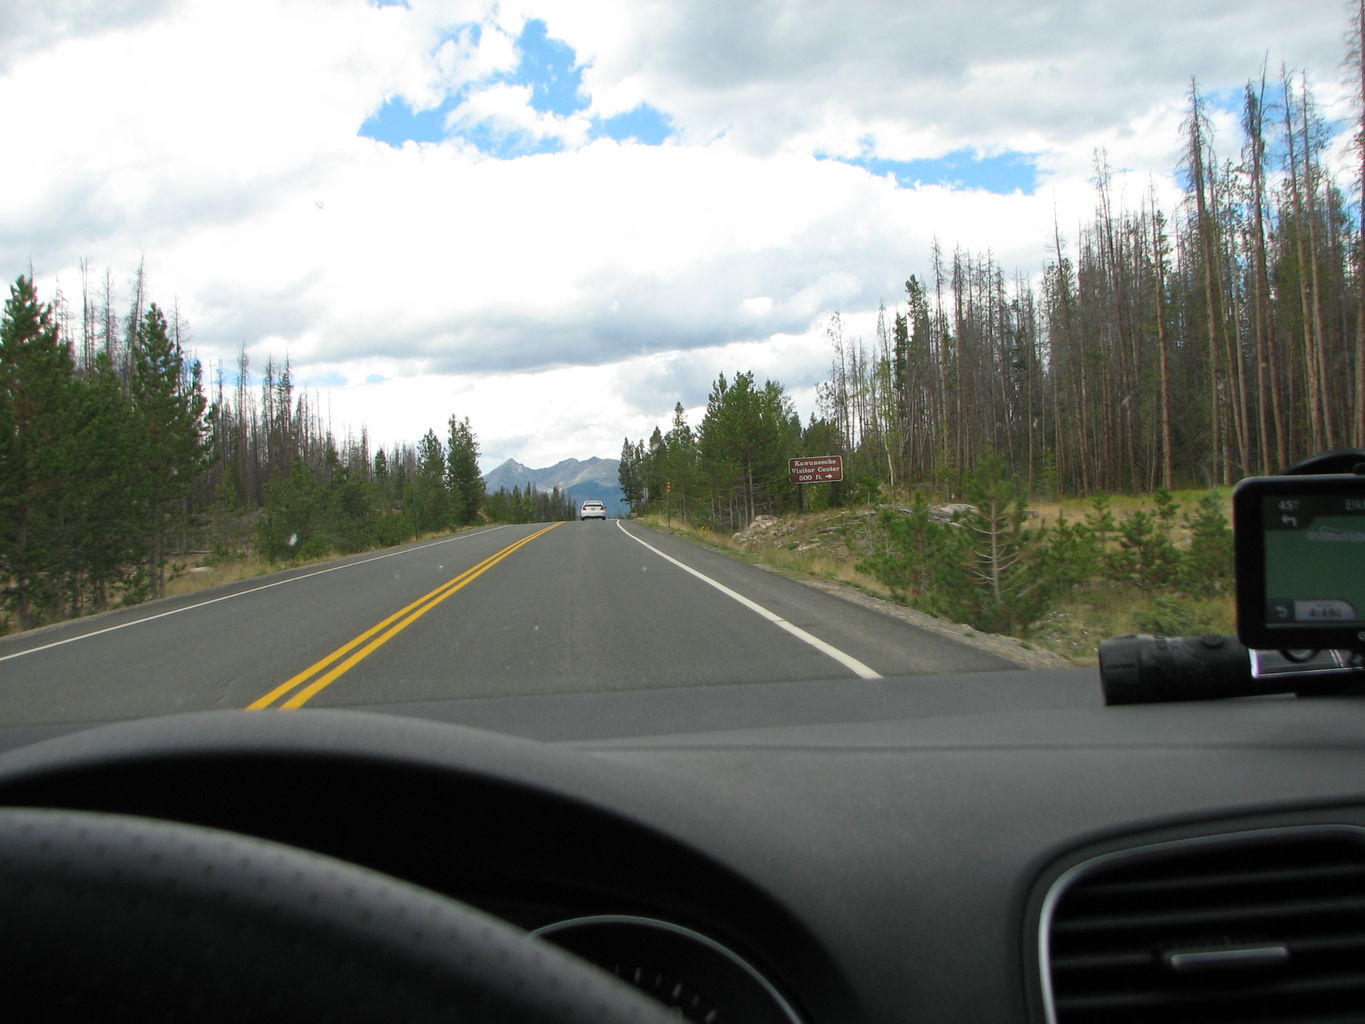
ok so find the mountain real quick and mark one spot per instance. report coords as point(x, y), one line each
point(580, 479)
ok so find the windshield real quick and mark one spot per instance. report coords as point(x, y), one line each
point(393, 353)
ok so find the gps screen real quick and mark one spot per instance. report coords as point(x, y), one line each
point(1314, 559)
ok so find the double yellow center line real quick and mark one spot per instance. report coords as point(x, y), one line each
point(316, 677)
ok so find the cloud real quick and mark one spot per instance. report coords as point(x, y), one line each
point(586, 256)
point(502, 118)
point(924, 79)
point(27, 26)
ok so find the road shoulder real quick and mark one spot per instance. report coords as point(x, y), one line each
point(1012, 650)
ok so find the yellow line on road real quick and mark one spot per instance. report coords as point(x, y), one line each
point(376, 636)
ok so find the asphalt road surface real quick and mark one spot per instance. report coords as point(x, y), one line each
point(572, 608)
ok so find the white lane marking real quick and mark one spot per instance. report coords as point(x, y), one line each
point(240, 593)
point(847, 660)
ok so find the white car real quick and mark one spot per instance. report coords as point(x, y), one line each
point(592, 509)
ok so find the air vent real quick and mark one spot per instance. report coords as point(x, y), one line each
point(1259, 926)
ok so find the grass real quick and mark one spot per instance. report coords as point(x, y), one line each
point(203, 575)
point(1076, 626)
point(1121, 505)
point(802, 550)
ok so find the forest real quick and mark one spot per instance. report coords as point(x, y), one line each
point(1183, 348)
point(1156, 349)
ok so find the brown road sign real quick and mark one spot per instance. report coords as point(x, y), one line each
point(816, 469)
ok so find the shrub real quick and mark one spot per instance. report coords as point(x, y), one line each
point(1208, 564)
point(988, 569)
point(1171, 615)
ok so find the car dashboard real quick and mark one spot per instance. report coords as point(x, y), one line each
point(998, 846)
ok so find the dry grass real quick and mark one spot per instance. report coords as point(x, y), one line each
point(197, 576)
point(824, 565)
point(1122, 504)
point(800, 548)
point(1075, 627)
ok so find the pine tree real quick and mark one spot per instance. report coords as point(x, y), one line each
point(36, 417)
point(463, 480)
point(382, 480)
point(743, 443)
point(168, 404)
point(1008, 591)
point(634, 473)
point(680, 464)
point(292, 511)
point(426, 500)
point(109, 535)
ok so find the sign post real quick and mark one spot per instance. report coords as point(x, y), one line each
point(814, 469)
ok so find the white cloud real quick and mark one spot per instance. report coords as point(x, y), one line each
point(507, 110)
point(927, 78)
point(29, 25)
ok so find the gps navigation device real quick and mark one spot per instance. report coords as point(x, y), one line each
point(1301, 562)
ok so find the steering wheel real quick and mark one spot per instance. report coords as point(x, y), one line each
point(116, 917)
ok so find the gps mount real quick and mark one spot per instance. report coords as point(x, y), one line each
point(1300, 558)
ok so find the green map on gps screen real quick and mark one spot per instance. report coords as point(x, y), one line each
point(1314, 562)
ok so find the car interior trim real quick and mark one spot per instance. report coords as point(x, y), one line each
point(1076, 872)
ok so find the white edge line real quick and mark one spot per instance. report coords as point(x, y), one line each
point(847, 660)
point(239, 593)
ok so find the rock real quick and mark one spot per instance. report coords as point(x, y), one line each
point(761, 527)
point(947, 513)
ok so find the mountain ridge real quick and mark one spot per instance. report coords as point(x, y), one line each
point(579, 478)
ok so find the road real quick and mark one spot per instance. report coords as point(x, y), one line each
point(571, 608)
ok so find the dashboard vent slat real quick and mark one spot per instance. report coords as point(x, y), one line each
point(1115, 929)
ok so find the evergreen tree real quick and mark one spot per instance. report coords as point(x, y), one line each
point(680, 464)
point(292, 511)
point(168, 405)
point(36, 416)
point(426, 501)
point(106, 529)
point(631, 474)
point(382, 480)
point(744, 442)
point(352, 515)
point(1008, 593)
point(656, 483)
point(463, 480)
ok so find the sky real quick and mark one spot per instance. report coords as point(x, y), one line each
point(560, 218)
